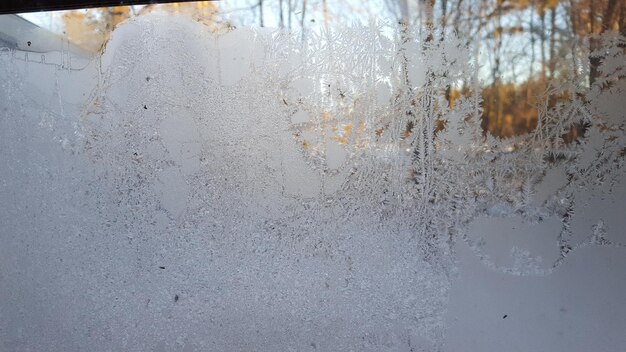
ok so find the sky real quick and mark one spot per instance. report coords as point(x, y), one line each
point(245, 12)
point(515, 58)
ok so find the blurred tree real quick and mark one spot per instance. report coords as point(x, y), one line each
point(205, 12)
point(522, 44)
point(91, 28)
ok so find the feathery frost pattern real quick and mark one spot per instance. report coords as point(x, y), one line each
point(280, 188)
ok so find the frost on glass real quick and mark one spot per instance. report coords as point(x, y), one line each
point(260, 191)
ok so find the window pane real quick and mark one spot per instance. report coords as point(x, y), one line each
point(312, 175)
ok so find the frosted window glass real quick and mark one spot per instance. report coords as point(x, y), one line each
point(260, 190)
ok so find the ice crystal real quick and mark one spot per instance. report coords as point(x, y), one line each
point(254, 191)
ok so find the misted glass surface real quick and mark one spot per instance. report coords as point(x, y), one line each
point(429, 175)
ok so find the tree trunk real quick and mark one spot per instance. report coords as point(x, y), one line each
point(542, 15)
point(302, 19)
point(610, 15)
point(552, 62)
point(531, 68)
point(404, 13)
point(622, 22)
point(289, 12)
point(444, 22)
point(427, 8)
point(325, 9)
point(280, 14)
point(498, 33)
point(594, 62)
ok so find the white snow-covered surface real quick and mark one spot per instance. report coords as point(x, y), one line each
point(187, 192)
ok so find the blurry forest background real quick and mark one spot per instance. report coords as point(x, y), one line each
point(522, 44)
